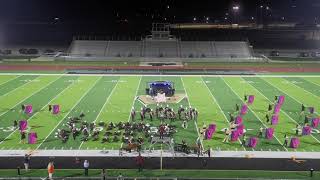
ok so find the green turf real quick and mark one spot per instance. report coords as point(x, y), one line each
point(110, 99)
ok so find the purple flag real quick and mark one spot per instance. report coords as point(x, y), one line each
point(253, 142)
point(238, 120)
point(244, 109)
point(277, 108)
point(210, 131)
point(28, 109)
point(269, 133)
point(23, 125)
point(234, 135)
point(212, 127)
point(315, 122)
point(274, 119)
point(32, 138)
point(306, 130)
point(251, 99)
point(311, 110)
point(295, 142)
point(56, 109)
point(281, 100)
point(240, 129)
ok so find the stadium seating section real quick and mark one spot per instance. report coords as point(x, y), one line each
point(161, 49)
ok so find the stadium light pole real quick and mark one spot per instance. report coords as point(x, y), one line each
point(235, 10)
point(261, 17)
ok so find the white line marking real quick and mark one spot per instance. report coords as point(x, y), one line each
point(30, 95)
point(40, 110)
point(141, 102)
point(20, 87)
point(284, 111)
point(306, 91)
point(309, 80)
point(10, 80)
point(254, 112)
point(69, 111)
point(101, 110)
point(133, 101)
point(195, 123)
point(225, 117)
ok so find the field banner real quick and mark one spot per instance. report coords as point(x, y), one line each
point(210, 131)
point(253, 141)
point(240, 129)
point(23, 125)
point(28, 109)
point(238, 120)
point(306, 130)
point(234, 135)
point(32, 138)
point(56, 109)
point(315, 122)
point(311, 110)
point(277, 108)
point(251, 99)
point(244, 109)
point(281, 100)
point(274, 119)
point(269, 133)
point(295, 142)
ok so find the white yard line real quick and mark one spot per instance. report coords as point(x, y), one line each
point(107, 100)
point(304, 90)
point(3, 95)
point(308, 80)
point(254, 112)
point(69, 111)
point(158, 75)
point(10, 80)
point(38, 111)
point(181, 99)
point(29, 95)
point(18, 88)
point(133, 101)
point(214, 99)
point(284, 111)
point(195, 123)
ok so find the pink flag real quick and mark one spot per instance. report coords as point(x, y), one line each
point(274, 119)
point(295, 142)
point(28, 109)
point(238, 120)
point(244, 109)
point(234, 135)
point(240, 129)
point(306, 130)
point(269, 133)
point(253, 141)
point(23, 125)
point(277, 108)
point(315, 122)
point(56, 109)
point(210, 131)
point(251, 99)
point(32, 139)
point(281, 99)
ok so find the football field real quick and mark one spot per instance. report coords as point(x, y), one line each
point(104, 99)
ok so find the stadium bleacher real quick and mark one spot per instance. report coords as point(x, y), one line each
point(124, 49)
point(161, 49)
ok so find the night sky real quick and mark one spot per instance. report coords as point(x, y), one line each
point(19, 17)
